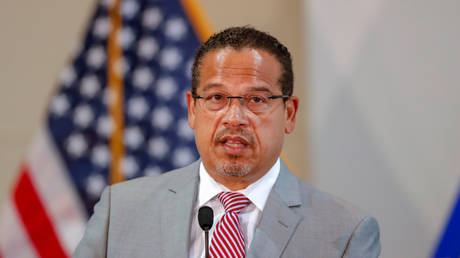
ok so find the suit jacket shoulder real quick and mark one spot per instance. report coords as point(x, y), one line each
point(145, 217)
point(302, 221)
point(172, 179)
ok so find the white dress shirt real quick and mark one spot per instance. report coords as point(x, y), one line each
point(250, 216)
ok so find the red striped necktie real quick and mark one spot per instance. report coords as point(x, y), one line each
point(227, 239)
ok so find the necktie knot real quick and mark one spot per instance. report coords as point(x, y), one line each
point(233, 202)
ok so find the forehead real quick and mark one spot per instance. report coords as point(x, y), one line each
point(227, 67)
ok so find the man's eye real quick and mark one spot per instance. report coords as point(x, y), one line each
point(257, 99)
point(215, 97)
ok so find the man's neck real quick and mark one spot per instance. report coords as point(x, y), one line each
point(235, 183)
point(257, 192)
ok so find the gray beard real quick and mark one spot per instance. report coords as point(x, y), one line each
point(233, 168)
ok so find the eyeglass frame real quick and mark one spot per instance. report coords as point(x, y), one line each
point(230, 97)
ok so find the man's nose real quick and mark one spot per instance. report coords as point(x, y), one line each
point(235, 114)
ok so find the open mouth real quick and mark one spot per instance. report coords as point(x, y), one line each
point(234, 145)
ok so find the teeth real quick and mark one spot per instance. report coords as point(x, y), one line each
point(234, 144)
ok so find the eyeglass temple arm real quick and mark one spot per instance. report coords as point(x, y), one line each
point(195, 96)
point(279, 97)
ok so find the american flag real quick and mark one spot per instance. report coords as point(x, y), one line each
point(119, 113)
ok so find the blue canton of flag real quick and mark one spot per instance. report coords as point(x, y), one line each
point(158, 46)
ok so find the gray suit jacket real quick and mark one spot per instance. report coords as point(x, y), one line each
point(151, 216)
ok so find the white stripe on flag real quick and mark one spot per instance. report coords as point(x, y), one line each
point(56, 191)
point(14, 241)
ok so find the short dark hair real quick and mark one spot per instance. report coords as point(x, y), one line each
point(239, 38)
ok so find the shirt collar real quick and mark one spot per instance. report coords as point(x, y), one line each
point(256, 192)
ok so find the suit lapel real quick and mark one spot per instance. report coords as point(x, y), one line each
point(177, 212)
point(279, 220)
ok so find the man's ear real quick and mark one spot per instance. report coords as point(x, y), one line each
point(191, 110)
point(292, 105)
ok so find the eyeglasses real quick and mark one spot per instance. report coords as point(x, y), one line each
point(256, 102)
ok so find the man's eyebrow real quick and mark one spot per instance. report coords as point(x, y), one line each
point(250, 89)
point(212, 85)
point(259, 88)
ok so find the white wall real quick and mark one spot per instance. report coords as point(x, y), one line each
point(385, 112)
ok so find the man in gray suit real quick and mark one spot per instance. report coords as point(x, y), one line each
point(240, 106)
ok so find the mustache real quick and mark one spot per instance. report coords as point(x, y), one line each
point(232, 132)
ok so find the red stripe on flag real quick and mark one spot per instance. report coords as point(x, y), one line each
point(35, 218)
